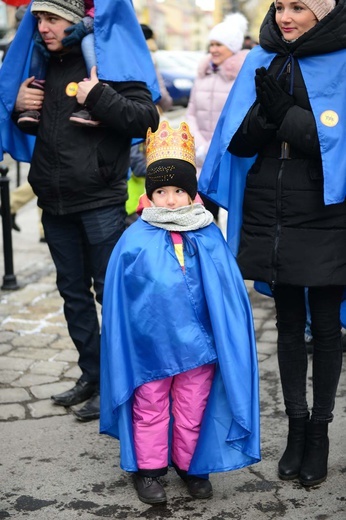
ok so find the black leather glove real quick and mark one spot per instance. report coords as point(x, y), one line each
point(40, 45)
point(274, 101)
point(75, 33)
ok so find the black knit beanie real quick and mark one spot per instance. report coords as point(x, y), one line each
point(171, 172)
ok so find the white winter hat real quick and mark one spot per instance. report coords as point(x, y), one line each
point(320, 8)
point(230, 32)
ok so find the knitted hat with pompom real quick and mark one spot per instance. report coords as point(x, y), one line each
point(230, 32)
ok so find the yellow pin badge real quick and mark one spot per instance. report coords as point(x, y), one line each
point(329, 118)
point(72, 89)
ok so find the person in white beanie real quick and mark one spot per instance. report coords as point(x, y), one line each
point(216, 74)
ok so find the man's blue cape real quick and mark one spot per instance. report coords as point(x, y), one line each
point(157, 322)
point(223, 175)
point(122, 55)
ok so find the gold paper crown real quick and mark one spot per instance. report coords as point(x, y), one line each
point(168, 143)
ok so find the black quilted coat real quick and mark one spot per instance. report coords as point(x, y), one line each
point(289, 236)
point(76, 169)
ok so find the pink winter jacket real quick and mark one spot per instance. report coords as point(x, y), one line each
point(207, 98)
point(89, 8)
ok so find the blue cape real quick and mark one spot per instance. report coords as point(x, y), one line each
point(157, 322)
point(223, 175)
point(122, 55)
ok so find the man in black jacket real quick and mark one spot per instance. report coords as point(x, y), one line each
point(79, 175)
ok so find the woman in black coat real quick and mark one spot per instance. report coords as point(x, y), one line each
point(291, 236)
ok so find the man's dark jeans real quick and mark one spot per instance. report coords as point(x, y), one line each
point(80, 245)
point(292, 356)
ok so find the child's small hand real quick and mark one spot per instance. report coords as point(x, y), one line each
point(29, 98)
point(85, 86)
point(75, 33)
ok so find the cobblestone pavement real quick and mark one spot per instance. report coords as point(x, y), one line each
point(37, 357)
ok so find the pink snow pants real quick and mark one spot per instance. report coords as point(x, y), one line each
point(151, 417)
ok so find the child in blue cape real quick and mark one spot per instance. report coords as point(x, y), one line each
point(179, 378)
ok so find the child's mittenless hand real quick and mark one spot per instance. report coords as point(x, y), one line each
point(85, 86)
point(29, 98)
point(77, 32)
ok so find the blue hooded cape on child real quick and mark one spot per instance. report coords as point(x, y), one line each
point(158, 322)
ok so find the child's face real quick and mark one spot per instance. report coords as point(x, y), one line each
point(170, 197)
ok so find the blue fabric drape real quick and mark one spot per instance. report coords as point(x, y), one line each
point(157, 322)
point(122, 55)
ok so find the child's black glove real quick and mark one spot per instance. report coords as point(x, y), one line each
point(77, 32)
point(274, 101)
point(40, 45)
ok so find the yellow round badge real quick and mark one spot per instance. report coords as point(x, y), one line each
point(329, 118)
point(72, 89)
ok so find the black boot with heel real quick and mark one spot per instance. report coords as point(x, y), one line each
point(314, 468)
point(291, 461)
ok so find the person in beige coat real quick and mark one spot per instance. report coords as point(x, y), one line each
point(216, 75)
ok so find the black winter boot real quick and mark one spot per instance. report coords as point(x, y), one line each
point(315, 463)
point(291, 460)
point(149, 489)
point(197, 487)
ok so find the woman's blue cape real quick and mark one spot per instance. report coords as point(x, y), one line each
point(122, 55)
point(223, 175)
point(152, 329)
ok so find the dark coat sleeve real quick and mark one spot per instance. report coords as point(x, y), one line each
point(252, 135)
point(299, 129)
point(127, 107)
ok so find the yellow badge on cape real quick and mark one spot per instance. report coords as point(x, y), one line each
point(329, 118)
point(72, 89)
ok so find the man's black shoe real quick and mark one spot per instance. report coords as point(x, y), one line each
point(79, 393)
point(91, 410)
point(149, 490)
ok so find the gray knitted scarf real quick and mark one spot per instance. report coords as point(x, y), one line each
point(186, 218)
